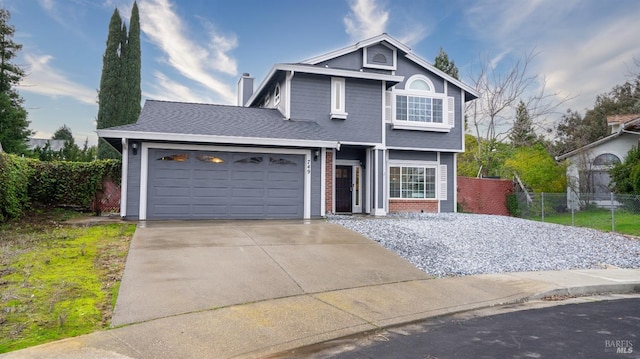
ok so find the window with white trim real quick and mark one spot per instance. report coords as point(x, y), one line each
point(419, 106)
point(412, 182)
point(338, 107)
point(276, 95)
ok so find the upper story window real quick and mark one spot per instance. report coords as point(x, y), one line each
point(276, 95)
point(420, 107)
point(338, 106)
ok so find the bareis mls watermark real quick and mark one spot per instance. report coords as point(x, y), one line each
point(618, 346)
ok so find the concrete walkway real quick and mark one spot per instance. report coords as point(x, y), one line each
point(313, 295)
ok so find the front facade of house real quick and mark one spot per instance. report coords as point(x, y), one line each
point(589, 166)
point(371, 128)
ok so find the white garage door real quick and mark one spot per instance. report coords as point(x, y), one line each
point(210, 185)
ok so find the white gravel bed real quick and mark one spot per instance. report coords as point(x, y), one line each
point(456, 244)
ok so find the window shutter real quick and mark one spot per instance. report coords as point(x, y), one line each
point(451, 111)
point(443, 182)
point(387, 106)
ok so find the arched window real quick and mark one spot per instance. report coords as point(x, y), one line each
point(420, 83)
point(606, 159)
point(276, 95)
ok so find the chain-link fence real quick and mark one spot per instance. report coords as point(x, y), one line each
point(610, 212)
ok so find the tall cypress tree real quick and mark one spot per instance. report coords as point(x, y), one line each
point(14, 125)
point(132, 68)
point(109, 102)
point(120, 93)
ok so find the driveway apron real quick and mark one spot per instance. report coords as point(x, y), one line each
point(182, 267)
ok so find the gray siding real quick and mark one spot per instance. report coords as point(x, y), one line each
point(449, 204)
point(133, 185)
point(310, 100)
point(413, 156)
point(424, 139)
point(351, 61)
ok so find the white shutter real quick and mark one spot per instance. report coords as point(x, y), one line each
point(451, 111)
point(443, 183)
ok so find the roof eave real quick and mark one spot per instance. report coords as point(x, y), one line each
point(164, 136)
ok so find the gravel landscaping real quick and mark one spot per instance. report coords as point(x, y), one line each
point(455, 244)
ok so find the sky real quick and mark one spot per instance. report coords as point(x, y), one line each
point(196, 50)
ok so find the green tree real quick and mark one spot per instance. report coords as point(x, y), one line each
point(131, 70)
point(537, 169)
point(63, 133)
point(522, 133)
point(445, 65)
point(120, 94)
point(626, 175)
point(109, 107)
point(14, 126)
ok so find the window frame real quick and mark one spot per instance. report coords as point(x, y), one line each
point(444, 126)
point(422, 165)
point(277, 94)
point(338, 105)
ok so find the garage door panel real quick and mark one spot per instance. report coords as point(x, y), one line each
point(211, 184)
point(163, 191)
point(210, 192)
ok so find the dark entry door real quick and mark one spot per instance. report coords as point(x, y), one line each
point(343, 188)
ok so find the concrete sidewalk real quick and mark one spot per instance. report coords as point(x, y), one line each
point(264, 328)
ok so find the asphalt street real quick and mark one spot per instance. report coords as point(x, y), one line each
point(598, 329)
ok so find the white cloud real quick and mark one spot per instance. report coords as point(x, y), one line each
point(584, 47)
point(168, 90)
point(195, 62)
point(44, 79)
point(365, 20)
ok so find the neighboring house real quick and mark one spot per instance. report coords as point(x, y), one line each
point(370, 128)
point(588, 170)
point(54, 145)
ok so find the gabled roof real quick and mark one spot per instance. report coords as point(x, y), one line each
point(309, 66)
point(630, 124)
point(180, 121)
point(400, 46)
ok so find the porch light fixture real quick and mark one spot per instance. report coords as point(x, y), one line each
point(316, 153)
point(134, 148)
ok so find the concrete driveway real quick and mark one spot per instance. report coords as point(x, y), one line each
point(183, 267)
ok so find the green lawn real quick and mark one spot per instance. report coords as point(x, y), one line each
point(58, 281)
point(625, 222)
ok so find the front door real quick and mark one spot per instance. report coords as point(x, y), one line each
point(344, 189)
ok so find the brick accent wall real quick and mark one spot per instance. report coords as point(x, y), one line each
point(484, 195)
point(403, 205)
point(328, 190)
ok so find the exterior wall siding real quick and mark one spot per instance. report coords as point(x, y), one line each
point(413, 155)
point(427, 139)
point(133, 185)
point(310, 100)
point(448, 205)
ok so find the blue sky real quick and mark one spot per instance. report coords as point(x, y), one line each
point(195, 50)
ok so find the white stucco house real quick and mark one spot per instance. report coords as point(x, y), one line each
point(588, 170)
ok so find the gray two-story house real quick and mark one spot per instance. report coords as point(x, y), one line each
point(371, 128)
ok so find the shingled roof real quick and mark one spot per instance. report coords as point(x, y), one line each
point(167, 118)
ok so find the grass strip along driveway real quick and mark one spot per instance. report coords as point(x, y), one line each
point(58, 281)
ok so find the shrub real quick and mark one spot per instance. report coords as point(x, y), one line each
point(70, 183)
point(57, 183)
point(512, 205)
point(14, 181)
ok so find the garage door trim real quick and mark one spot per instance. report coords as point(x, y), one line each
point(144, 168)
